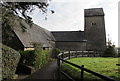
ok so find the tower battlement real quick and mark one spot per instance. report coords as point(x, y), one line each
point(94, 12)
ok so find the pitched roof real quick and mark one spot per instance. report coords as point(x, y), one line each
point(94, 12)
point(33, 34)
point(69, 35)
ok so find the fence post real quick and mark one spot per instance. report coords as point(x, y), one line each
point(82, 53)
point(94, 53)
point(69, 55)
point(88, 54)
point(58, 61)
point(62, 55)
point(82, 71)
point(76, 54)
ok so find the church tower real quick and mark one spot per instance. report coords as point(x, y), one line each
point(95, 29)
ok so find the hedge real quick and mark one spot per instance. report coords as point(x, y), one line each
point(55, 52)
point(10, 59)
point(36, 58)
point(27, 57)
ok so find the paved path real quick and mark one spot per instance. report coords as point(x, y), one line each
point(48, 72)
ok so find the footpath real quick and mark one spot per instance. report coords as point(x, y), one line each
point(46, 73)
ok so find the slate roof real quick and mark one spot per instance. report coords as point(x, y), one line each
point(72, 36)
point(33, 34)
point(94, 12)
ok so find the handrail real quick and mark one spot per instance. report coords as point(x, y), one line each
point(82, 68)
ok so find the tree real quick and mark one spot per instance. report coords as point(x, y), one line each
point(110, 50)
point(22, 8)
point(10, 10)
point(25, 7)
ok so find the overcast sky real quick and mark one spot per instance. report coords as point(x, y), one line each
point(69, 16)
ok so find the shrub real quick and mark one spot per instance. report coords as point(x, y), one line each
point(27, 57)
point(36, 58)
point(118, 54)
point(110, 52)
point(38, 52)
point(10, 59)
point(57, 51)
point(44, 57)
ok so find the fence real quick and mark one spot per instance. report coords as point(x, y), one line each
point(72, 54)
point(67, 55)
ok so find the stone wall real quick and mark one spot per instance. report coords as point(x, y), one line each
point(95, 33)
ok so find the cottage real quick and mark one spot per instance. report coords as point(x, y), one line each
point(23, 38)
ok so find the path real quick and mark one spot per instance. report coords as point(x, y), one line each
point(48, 72)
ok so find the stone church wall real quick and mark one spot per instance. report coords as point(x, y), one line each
point(95, 33)
point(72, 46)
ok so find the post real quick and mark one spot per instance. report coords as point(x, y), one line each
point(69, 55)
point(88, 53)
point(58, 63)
point(62, 55)
point(82, 53)
point(82, 71)
point(76, 54)
point(94, 53)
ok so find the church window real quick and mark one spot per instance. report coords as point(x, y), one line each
point(93, 24)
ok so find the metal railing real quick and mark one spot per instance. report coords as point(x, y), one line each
point(67, 55)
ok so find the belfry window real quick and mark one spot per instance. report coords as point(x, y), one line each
point(94, 24)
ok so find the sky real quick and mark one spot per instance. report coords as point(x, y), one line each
point(69, 16)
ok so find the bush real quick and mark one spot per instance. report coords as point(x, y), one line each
point(110, 52)
point(55, 52)
point(118, 54)
point(36, 58)
point(10, 59)
point(44, 58)
point(38, 52)
point(27, 57)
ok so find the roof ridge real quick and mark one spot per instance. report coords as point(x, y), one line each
point(66, 31)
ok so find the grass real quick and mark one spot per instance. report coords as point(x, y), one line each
point(104, 66)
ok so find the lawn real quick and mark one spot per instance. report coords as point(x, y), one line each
point(104, 66)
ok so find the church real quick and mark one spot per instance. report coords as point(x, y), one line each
point(93, 38)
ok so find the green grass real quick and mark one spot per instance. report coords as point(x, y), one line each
point(104, 66)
